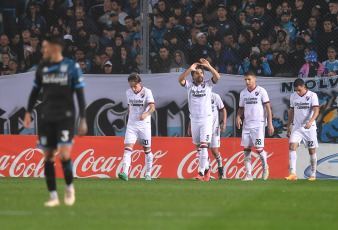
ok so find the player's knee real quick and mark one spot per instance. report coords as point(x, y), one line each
point(49, 158)
point(292, 146)
point(127, 151)
point(312, 151)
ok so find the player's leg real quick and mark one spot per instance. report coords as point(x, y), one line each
point(313, 163)
point(294, 141)
point(246, 142)
point(195, 133)
point(205, 138)
point(129, 142)
point(257, 135)
point(144, 138)
point(215, 143)
point(311, 142)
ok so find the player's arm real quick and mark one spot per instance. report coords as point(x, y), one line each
point(183, 76)
point(269, 115)
point(240, 114)
point(224, 125)
point(290, 119)
point(215, 74)
point(189, 129)
point(313, 118)
point(149, 112)
point(82, 128)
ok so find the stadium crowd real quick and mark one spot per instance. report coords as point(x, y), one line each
point(271, 37)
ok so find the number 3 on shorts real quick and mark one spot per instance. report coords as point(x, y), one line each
point(65, 135)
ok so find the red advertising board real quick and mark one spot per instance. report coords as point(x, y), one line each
point(101, 157)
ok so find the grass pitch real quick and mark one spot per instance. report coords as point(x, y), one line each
point(171, 204)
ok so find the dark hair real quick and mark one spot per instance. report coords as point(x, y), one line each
point(250, 73)
point(54, 39)
point(298, 82)
point(82, 60)
point(128, 17)
point(134, 78)
point(198, 67)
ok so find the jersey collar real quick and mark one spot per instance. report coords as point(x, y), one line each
point(140, 90)
point(304, 93)
point(252, 89)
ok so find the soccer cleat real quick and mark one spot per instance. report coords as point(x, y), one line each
point(291, 177)
point(69, 198)
point(200, 176)
point(265, 175)
point(207, 174)
point(248, 178)
point(123, 176)
point(312, 178)
point(52, 203)
point(147, 178)
point(220, 172)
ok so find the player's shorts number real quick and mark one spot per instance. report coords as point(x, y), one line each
point(65, 135)
point(144, 142)
point(258, 142)
point(310, 143)
point(207, 138)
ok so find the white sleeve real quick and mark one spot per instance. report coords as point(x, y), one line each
point(219, 102)
point(265, 96)
point(210, 83)
point(315, 102)
point(291, 101)
point(150, 98)
point(186, 84)
point(127, 97)
point(241, 100)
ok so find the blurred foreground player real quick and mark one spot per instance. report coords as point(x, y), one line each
point(215, 143)
point(254, 104)
point(199, 101)
point(58, 78)
point(304, 110)
point(141, 105)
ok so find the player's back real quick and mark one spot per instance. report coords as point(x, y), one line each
point(58, 82)
point(139, 104)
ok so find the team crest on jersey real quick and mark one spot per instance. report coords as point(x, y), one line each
point(256, 93)
point(307, 98)
point(142, 95)
point(212, 101)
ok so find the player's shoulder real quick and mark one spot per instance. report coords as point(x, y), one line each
point(146, 89)
point(129, 91)
point(311, 93)
point(71, 64)
point(261, 89)
point(293, 95)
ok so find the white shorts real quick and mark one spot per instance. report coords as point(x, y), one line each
point(215, 137)
point(201, 131)
point(253, 137)
point(309, 136)
point(140, 133)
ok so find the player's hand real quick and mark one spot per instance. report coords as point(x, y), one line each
point(271, 129)
point(223, 128)
point(143, 116)
point(194, 66)
point(308, 125)
point(263, 59)
point(238, 122)
point(204, 62)
point(288, 132)
point(189, 131)
point(82, 129)
point(27, 121)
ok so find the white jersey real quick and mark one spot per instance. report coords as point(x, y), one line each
point(254, 109)
point(139, 104)
point(216, 105)
point(199, 99)
point(303, 107)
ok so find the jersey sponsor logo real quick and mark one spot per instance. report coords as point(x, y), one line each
point(198, 93)
point(251, 100)
point(302, 105)
point(55, 78)
point(135, 102)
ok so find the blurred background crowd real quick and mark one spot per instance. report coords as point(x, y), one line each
point(281, 38)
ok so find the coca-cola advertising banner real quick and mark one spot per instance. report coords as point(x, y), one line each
point(107, 104)
point(101, 157)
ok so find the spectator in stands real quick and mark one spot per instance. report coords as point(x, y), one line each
point(265, 48)
point(136, 49)
point(133, 9)
point(5, 60)
point(174, 27)
point(13, 66)
point(186, 5)
point(250, 12)
point(158, 31)
point(51, 11)
point(193, 37)
point(201, 49)
point(230, 50)
point(316, 13)
point(16, 46)
point(163, 62)
point(80, 54)
point(258, 32)
point(225, 24)
point(312, 68)
point(326, 38)
point(94, 46)
point(256, 63)
point(297, 55)
point(242, 21)
point(102, 14)
point(96, 65)
point(5, 71)
point(333, 8)
point(109, 49)
point(88, 23)
point(83, 65)
point(178, 11)
point(117, 7)
point(34, 42)
point(212, 33)
point(307, 38)
point(199, 22)
point(163, 10)
point(300, 15)
point(33, 19)
point(244, 44)
point(126, 58)
point(312, 28)
point(82, 39)
point(108, 67)
point(108, 38)
point(188, 23)
point(115, 23)
point(218, 51)
point(283, 42)
point(332, 63)
point(179, 63)
point(281, 67)
point(287, 24)
point(137, 64)
point(265, 19)
point(69, 45)
point(4, 42)
point(129, 21)
point(104, 58)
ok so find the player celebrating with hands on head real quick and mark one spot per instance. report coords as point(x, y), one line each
point(215, 143)
point(140, 107)
point(199, 101)
point(304, 110)
point(254, 104)
point(58, 78)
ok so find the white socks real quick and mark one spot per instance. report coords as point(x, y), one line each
point(313, 161)
point(126, 160)
point(53, 195)
point(247, 161)
point(262, 156)
point(68, 187)
point(203, 157)
point(292, 160)
point(149, 162)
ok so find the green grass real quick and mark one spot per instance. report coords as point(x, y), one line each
point(171, 204)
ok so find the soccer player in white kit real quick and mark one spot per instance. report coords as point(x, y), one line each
point(199, 101)
point(215, 143)
point(140, 107)
point(304, 110)
point(254, 104)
